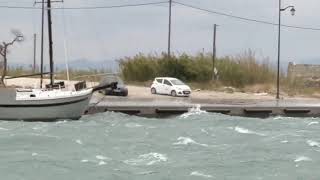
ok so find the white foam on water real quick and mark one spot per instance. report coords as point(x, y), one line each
point(101, 163)
point(302, 158)
point(187, 141)
point(151, 127)
point(195, 110)
point(39, 127)
point(79, 141)
point(200, 174)
point(277, 118)
point(204, 131)
point(284, 141)
point(147, 159)
point(313, 143)
point(62, 122)
point(34, 154)
point(133, 125)
point(313, 123)
point(246, 131)
point(100, 157)
point(146, 173)
point(44, 135)
point(4, 129)
point(84, 160)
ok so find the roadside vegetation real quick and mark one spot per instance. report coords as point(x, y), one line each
point(237, 71)
point(242, 73)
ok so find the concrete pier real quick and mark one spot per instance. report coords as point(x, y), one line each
point(164, 106)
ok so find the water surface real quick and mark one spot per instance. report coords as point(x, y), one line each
point(195, 145)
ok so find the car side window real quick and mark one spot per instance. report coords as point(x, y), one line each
point(159, 80)
point(167, 82)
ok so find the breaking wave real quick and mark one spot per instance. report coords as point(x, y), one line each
point(3, 129)
point(100, 157)
point(78, 141)
point(61, 122)
point(187, 141)
point(147, 172)
point(313, 123)
point(313, 143)
point(84, 160)
point(133, 125)
point(196, 110)
point(147, 159)
point(200, 174)
point(101, 163)
point(302, 158)
point(246, 131)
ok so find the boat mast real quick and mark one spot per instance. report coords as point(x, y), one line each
point(42, 31)
point(50, 42)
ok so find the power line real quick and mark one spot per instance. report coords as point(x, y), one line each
point(165, 2)
point(243, 18)
point(87, 8)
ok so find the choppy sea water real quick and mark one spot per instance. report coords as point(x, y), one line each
point(195, 145)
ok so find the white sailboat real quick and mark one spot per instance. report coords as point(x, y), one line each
point(50, 103)
point(43, 105)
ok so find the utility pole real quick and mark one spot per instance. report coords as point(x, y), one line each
point(214, 52)
point(292, 10)
point(278, 62)
point(34, 52)
point(169, 34)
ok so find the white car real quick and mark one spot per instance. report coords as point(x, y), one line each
point(170, 86)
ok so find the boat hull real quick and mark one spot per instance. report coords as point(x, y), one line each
point(45, 110)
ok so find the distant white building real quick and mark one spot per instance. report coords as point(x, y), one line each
point(304, 71)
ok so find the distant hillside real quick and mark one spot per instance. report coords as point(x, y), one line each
point(84, 64)
point(113, 66)
point(80, 64)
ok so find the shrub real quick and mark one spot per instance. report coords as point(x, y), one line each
point(235, 71)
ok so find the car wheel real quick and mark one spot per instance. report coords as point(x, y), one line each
point(125, 93)
point(153, 91)
point(173, 93)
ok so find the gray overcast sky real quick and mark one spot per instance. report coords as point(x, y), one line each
point(108, 34)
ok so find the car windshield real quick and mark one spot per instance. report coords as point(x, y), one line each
point(177, 82)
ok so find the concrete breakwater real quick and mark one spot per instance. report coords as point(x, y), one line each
point(238, 107)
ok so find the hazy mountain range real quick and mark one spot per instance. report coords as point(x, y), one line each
point(113, 66)
point(79, 64)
